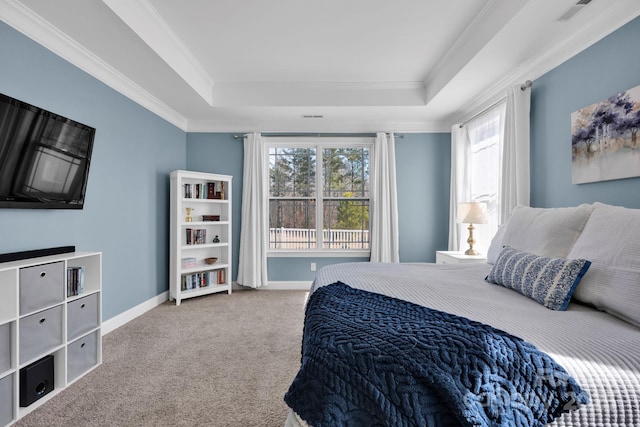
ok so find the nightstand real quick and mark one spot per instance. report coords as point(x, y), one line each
point(452, 257)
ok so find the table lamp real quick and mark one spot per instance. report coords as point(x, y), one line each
point(472, 213)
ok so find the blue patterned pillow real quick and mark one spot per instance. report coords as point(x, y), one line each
point(549, 281)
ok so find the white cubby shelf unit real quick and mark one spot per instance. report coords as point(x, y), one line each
point(41, 316)
point(200, 221)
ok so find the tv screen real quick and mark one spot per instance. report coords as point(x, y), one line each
point(44, 157)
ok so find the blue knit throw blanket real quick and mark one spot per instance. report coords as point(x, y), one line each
point(372, 360)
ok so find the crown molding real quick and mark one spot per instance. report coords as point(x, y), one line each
point(319, 94)
point(149, 25)
point(41, 31)
point(493, 16)
point(363, 125)
point(541, 64)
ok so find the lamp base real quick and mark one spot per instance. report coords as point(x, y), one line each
point(471, 241)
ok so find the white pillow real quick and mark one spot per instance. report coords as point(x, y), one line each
point(496, 244)
point(549, 232)
point(611, 241)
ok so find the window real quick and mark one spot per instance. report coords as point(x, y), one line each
point(483, 164)
point(319, 194)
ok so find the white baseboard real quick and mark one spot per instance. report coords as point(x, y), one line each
point(116, 321)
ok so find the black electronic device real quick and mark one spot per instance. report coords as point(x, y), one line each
point(44, 157)
point(16, 256)
point(36, 380)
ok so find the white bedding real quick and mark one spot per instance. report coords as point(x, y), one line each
point(600, 351)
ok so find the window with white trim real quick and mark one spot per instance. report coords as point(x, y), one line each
point(318, 194)
point(485, 136)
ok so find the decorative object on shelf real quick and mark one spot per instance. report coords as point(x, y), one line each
point(216, 239)
point(472, 213)
point(211, 260)
point(206, 218)
point(188, 217)
point(188, 262)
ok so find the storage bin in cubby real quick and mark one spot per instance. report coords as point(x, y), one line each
point(6, 400)
point(41, 286)
point(82, 316)
point(40, 333)
point(5, 347)
point(82, 355)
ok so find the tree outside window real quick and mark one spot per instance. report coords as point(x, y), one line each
point(311, 209)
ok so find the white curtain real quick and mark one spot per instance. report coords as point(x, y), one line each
point(254, 228)
point(384, 202)
point(459, 190)
point(476, 149)
point(515, 180)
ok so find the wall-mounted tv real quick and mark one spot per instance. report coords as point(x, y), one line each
point(44, 157)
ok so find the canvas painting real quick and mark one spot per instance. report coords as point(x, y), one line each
point(604, 139)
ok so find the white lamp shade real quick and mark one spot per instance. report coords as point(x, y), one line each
point(472, 213)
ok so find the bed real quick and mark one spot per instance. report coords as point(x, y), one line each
point(589, 326)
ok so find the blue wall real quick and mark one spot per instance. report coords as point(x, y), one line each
point(221, 153)
point(423, 170)
point(608, 67)
point(127, 203)
point(422, 162)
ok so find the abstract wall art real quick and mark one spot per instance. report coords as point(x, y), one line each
point(605, 144)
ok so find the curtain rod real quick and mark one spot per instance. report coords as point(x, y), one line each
point(489, 108)
point(318, 135)
point(524, 86)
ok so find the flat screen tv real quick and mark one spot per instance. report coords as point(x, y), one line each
point(44, 157)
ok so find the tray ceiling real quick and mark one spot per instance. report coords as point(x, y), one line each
point(302, 66)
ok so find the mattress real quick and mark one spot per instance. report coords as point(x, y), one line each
point(600, 351)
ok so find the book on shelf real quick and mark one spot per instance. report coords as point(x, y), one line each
point(202, 279)
point(206, 190)
point(195, 191)
point(75, 281)
point(195, 236)
point(218, 190)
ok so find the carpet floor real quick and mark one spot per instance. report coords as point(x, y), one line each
point(220, 360)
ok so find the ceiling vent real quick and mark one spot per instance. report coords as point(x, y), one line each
point(571, 12)
point(315, 116)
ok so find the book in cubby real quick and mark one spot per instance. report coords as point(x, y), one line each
point(75, 281)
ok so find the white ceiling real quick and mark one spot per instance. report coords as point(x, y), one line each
point(361, 65)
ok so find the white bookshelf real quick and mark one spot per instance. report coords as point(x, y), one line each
point(207, 198)
point(41, 317)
